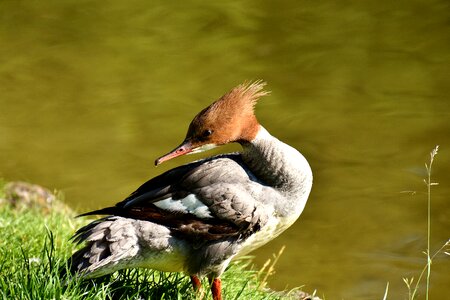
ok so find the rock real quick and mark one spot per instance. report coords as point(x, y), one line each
point(21, 195)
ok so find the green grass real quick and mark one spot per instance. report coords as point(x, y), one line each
point(412, 284)
point(35, 245)
point(413, 288)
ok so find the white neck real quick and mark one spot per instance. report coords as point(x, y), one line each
point(278, 165)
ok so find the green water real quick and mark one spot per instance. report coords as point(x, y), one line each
point(92, 92)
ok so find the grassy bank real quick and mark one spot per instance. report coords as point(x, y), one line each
point(35, 245)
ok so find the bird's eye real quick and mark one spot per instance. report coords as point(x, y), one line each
point(207, 133)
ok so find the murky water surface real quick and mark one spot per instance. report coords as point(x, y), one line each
point(91, 94)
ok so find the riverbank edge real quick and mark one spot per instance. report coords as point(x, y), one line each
point(36, 227)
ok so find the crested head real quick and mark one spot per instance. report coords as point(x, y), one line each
point(239, 102)
point(229, 119)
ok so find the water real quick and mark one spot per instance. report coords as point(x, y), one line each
point(91, 94)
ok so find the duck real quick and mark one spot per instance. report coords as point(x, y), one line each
point(197, 217)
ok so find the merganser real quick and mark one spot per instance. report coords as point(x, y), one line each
point(197, 217)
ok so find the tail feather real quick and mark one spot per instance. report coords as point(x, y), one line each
point(84, 232)
point(104, 211)
point(109, 243)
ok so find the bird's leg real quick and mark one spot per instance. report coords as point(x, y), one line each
point(216, 289)
point(197, 285)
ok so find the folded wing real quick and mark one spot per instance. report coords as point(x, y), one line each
point(202, 201)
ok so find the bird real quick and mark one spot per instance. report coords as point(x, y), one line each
point(197, 217)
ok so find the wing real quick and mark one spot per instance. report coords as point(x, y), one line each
point(205, 200)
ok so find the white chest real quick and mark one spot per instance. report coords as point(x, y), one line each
point(271, 230)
